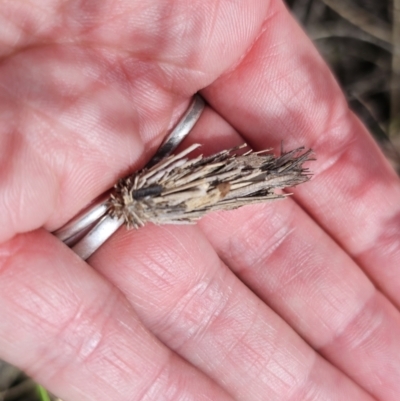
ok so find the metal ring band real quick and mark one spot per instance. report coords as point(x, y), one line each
point(86, 232)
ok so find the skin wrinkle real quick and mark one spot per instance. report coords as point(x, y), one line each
point(82, 16)
point(237, 351)
point(302, 257)
point(25, 198)
point(43, 114)
point(282, 93)
point(371, 327)
point(114, 361)
point(235, 248)
point(213, 23)
point(38, 365)
point(277, 369)
point(156, 386)
point(386, 238)
point(9, 194)
point(105, 121)
point(309, 393)
point(362, 190)
point(298, 93)
point(181, 248)
point(163, 19)
point(333, 303)
point(239, 250)
point(38, 309)
point(367, 335)
point(35, 365)
point(6, 27)
point(24, 27)
point(172, 391)
point(179, 252)
point(340, 149)
point(159, 276)
point(267, 370)
point(234, 67)
point(207, 312)
point(77, 334)
point(194, 312)
point(123, 12)
point(228, 349)
point(257, 33)
point(141, 82)
point(99, 123)
point(239, 340)
point(255, 266)
point(359, 191)
point(173, 83)
point(326, 118)
point(292, 384)
point(90, 344)
point(319, 141)
point(292, 313)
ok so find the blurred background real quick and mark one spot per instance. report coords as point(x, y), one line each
point(360, 40)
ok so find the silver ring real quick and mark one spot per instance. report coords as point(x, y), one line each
point(86, 232)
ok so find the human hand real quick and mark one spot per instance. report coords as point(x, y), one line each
point(268, 302)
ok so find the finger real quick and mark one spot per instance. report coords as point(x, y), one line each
point(283, 91)
point(195, 305)
point(161, 37)
point(68, 140)
point(285, 258)
point(89, 92)
point(290, 263)
point(72, 331)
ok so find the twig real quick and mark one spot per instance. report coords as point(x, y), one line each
point(365, 20)
point(343, 29)
point(179, 190)
point(394, 128)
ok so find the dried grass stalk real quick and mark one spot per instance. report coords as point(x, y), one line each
point(179, 190)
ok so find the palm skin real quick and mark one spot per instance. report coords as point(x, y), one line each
point(294, 300)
